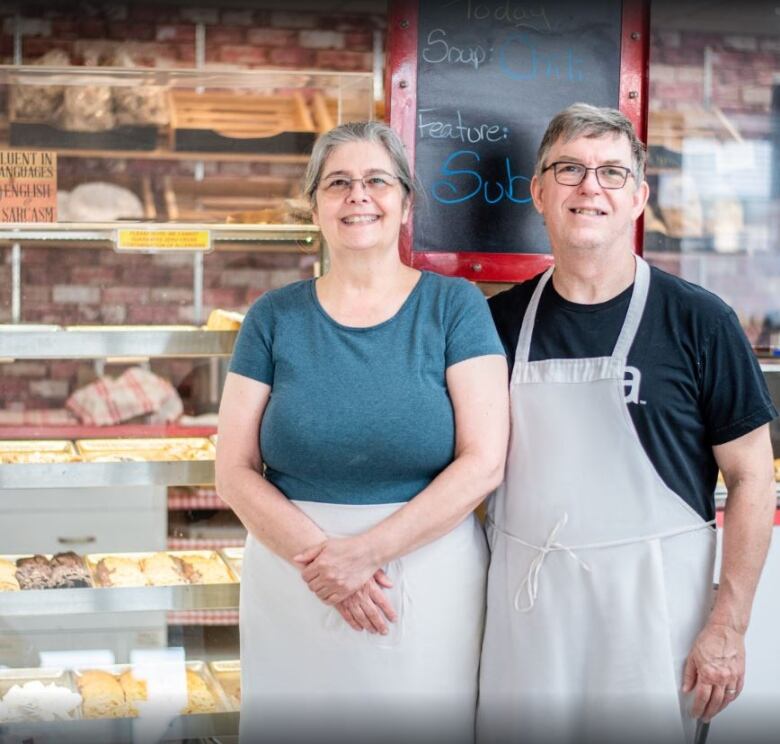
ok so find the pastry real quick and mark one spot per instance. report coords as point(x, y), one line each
point(199, 697)
point(777, 469)
point(118, 570)
point(8, 582)
point(103, 695)
point(162, 569)
point(36, 701)
point(33, 572)
point(134, 689)
point(68, 571)
point(199, 569)
point(224, 320)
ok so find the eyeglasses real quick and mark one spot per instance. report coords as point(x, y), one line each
point(573, 174)
point(374, 185)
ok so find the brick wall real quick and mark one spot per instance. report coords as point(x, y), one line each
point(743, 69)
point(163, 35)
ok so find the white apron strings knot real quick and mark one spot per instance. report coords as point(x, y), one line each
point(531, 582)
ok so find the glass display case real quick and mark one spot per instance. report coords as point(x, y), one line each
point(174, 201)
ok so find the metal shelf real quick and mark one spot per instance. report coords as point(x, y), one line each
point(107, 474)
point(271, 238)
point(119, 599)
point(118, 342)
point(122, 730)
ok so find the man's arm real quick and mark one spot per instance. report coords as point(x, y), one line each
point(715, 668)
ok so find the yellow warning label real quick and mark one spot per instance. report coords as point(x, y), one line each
point(134, 239)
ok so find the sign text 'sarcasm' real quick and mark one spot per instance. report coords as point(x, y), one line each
point(28, 186)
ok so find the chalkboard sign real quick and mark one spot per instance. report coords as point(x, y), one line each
point(487, 76)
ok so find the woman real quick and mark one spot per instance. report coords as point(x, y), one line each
point(375, 398)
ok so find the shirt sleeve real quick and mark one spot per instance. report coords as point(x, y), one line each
point(253, 352)
point(735, 396)
point(470, 328)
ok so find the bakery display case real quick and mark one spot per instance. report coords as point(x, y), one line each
point(177, 203)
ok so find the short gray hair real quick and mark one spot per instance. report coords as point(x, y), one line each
point(584, 120)
point(358, 131)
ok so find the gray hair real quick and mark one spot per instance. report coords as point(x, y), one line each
point(358, 131)
point(584, 120)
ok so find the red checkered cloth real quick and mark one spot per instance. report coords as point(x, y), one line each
point(194, 498)
point(135, 392)
point(199, 543)
point(203, 617)
point(38, 417)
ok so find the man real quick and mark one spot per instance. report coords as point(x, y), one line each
point(630, 388)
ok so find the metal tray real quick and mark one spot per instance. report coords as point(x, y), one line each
point(92, 560)
point(37, 451)
point(234, 557)
point(60, 677)
point(228, 675)
point(198, 667)
point(157, 449)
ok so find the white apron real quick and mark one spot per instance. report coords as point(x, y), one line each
point(306, 676)
point(601, 576)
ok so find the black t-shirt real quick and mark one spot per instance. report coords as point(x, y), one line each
point(692, 381)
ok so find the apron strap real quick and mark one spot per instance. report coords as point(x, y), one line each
point(635, 310)
point(523, 349)
point(630, 324)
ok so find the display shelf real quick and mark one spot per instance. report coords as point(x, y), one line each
point(121, 730)
point(124, 599)
point(95, 474)
point(117, 342)
point(238, 237)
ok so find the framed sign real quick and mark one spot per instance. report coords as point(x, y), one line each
point(472, 85)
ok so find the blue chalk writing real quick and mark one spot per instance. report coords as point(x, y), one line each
point(520, 59)
point(461, 184)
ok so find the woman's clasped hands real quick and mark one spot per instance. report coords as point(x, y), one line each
point(341, 572)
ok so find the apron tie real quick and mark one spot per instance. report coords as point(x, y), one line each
point(531, 581)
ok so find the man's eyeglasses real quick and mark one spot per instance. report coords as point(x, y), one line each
point(375, 185)
point(573, 174)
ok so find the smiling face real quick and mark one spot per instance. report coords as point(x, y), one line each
point(360, 219)
point(589, 216)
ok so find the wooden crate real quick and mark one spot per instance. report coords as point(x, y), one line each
point(223, 121)
point(224, 199)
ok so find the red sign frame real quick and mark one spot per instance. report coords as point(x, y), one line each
point(401, 104)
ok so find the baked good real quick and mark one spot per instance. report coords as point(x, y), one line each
point(103, 696)
point(103, 201)
point(33, 572)
point(134, 689)
point(162, 569)
point(119, 570)
point(224, 320)
point(36, 701)
point(199, 697)
point(86, 108)
point(8, 581)
point(68, 571)
point(199, 569)
point(777, 469)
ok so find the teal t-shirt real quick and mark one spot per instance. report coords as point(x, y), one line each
point(360, 415)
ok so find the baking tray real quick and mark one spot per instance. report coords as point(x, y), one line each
point(149, 449)
point(234, 557)
point(37, 451)
point(61, 677)
point(92, 560)
point(228, 675)
point(48, 556)
point(124, 137)
point(198, 667)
